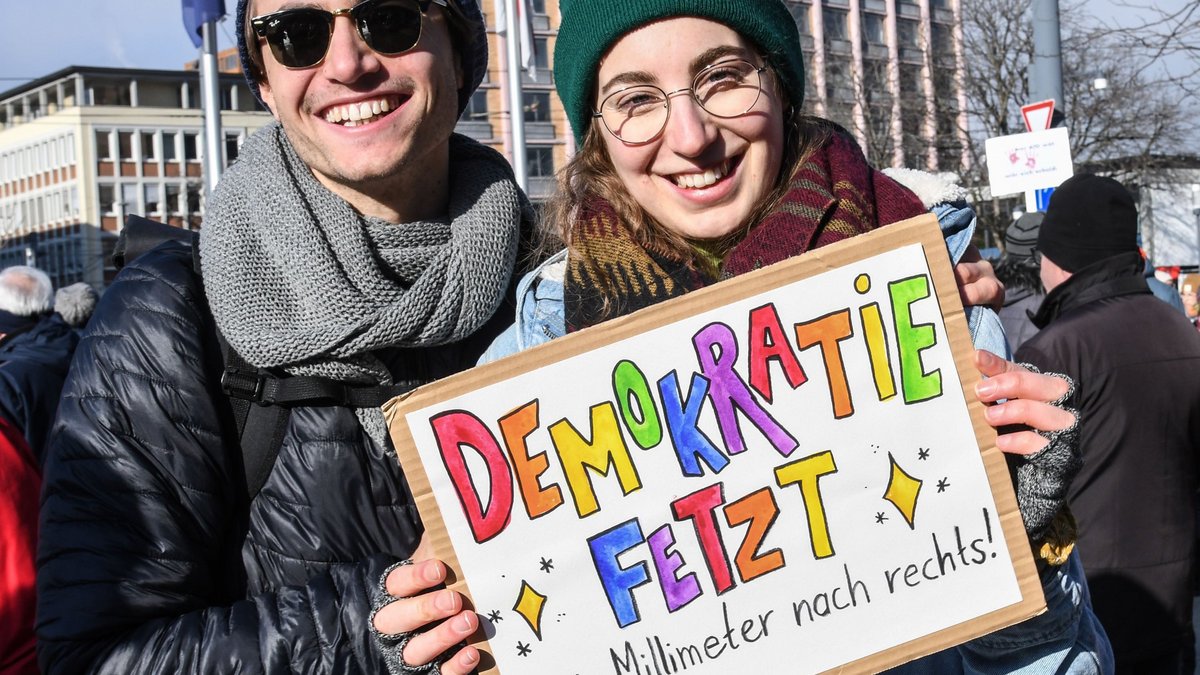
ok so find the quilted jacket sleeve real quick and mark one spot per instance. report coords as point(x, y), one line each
point(139, 557)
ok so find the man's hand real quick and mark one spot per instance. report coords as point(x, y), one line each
point(977, 281)
point(418, 607)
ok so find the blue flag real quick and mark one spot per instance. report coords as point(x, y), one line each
point(198, 12)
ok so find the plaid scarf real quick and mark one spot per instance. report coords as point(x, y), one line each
point(834, 196)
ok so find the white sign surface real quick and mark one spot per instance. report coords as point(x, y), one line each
point(1029, 161)
point(793, 477)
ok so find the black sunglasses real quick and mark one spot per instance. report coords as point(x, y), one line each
point(300, 37)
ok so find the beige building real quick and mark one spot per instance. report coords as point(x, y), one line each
point(890, 71)
point(83, 147)
point(548, 141)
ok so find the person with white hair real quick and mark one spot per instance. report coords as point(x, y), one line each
point(35, 354)
point(26, 294)
point(75, 304)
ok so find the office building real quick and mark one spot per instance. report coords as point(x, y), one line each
point(83, 147)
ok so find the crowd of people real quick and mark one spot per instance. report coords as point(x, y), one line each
point(358, 241)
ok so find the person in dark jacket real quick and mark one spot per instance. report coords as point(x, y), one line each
point(1018, 269)
point(34, 359)
point(357, 240)
point(1137, 365)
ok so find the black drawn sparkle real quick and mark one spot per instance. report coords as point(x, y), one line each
point(879, 517)
point(494, 616)
point(943, 484)
point(523, 649)
point(546, 565)
point(923, 454)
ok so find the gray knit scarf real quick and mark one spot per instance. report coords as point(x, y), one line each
point(299, 280)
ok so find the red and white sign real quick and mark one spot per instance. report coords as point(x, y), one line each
point(1038, 115)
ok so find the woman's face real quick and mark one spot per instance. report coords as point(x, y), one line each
point(702, 176)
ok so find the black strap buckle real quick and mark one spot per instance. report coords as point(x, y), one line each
point(247, 385)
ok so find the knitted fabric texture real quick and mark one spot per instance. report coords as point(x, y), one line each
point(834, 196)
point(590, 27)
point(474, 55)
point(1020, 239)
point(299, 280)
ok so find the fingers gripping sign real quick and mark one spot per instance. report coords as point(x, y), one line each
point(1048, 440)
point(420, 628)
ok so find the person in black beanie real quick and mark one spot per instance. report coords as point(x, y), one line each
point(1136, 363)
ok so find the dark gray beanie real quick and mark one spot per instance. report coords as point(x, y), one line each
point(1020, 239)
point(474, 54)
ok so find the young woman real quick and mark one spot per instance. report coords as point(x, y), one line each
point(696, 165)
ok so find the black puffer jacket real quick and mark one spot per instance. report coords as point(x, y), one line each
point(149, 560)
point(33, 367)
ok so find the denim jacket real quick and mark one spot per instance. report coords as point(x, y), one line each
point(1066, 639)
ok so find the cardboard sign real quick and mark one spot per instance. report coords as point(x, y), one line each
point(786, 468)
point(1031, 161)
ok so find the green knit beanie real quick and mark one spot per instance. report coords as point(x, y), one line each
point(590, 27)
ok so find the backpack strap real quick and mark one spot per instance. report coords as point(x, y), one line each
point(262, 402)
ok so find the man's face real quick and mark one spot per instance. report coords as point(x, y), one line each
point(1052, 275)
point(366, 123)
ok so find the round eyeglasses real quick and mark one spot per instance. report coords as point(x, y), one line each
point(638, 114)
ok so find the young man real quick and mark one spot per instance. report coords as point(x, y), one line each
point(1137, 364)
point(357, 241)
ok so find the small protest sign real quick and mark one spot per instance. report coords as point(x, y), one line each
point(785, 468)
point(1029, 161)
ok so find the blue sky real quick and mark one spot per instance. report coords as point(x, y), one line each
point(124, 33)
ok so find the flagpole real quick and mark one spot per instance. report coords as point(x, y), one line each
point(516, 103)
point(210, 86)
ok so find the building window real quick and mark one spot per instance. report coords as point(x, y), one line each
point(125, 145)
point(941, 39)
point(537, 106)
point(129, 198)
point(835, 24)
point(168, 147)
point(173, 193)
point(873, 31)
point(103, 149)
point(231, 148)
point(107, 196)
point(193, 198)
point(477, 107)
point(190, 149)
point(539, 162)
point(908, 32)
point(151, 199)
point(147, 139)
point(539, 6)
point(541, 53)
point(111, 93)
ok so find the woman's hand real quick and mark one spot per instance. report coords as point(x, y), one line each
point(977, 281)
point(1046, 438)
point(416, 607)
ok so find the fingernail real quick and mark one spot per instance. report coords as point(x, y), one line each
point(985, 388)
point(470, 656)
point(446, 601)
point(992, 413)
point(464, 624)
point(432, 572)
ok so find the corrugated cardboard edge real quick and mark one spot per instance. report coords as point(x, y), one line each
point(923, 230)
